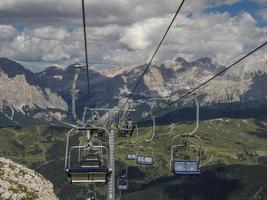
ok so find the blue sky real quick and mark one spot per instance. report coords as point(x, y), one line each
point(243, 6)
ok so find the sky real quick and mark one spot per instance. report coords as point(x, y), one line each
point(41, 33)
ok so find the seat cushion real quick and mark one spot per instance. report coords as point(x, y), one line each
point(186, 167)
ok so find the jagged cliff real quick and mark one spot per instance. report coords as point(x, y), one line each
point(18, 182)
point(50, 89)
point(17, 93)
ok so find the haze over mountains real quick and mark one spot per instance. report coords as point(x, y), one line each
point(47, 93)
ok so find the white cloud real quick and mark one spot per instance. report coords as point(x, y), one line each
point(138, 36)
point(7, 32)
point(99, 13)
point(123, 32)
point(219, 36)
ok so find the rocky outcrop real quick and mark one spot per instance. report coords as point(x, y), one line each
point(18, 182)
point(23, 97)
point(17, 91)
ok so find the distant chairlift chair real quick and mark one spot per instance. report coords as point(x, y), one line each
point(130, 155)
point(123, 180)
point(142, 159)
point(90, 195)
point(187, 167)
point(126, 127)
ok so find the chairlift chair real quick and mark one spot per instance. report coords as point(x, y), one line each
point(126, 127)
point(87, 171)
point(187, 167)
point(90, 195)
point(142, 159)
point(130, 155)
point(123, 180)
point(182, 166)
point(123, 183)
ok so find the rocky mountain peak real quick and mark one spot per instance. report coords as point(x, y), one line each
point(180, 60)
point(12, 69)
point(19, 92)
point(18, 182)
point(205, 60)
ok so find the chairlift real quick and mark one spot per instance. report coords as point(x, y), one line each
point(130, 155)
point(123, 180)
point(191, 166)
point(90, 170)
point(182, 166)
point(126, 125)
point(123, 183)
point(91, 195)
point(143, 159)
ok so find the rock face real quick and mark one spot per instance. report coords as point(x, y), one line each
point(20, 92)
point(17, 91)
point(18, 182)
point(50, 89)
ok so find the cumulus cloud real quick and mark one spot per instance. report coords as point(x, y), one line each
point(123, 32)
point(99, 13)
point(219, 36)
point(7, 32)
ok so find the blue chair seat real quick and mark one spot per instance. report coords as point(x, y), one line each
point(144, 160)
point(131, 157)
point(185, 168)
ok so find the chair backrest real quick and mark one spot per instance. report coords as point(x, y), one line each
point(131, 156)
point(144, 160)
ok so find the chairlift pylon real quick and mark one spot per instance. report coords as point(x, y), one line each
point(152, 137)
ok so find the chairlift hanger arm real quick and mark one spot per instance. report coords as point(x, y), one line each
point(192, 133)
point(74, 131)
point(153, 131)
point(85, 146)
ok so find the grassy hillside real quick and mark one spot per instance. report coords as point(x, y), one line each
point(234, 160)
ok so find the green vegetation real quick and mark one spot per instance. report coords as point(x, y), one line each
point(234, 161)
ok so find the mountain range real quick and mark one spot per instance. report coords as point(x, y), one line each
point(47, 94)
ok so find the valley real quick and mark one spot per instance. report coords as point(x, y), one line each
point(234, 160)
